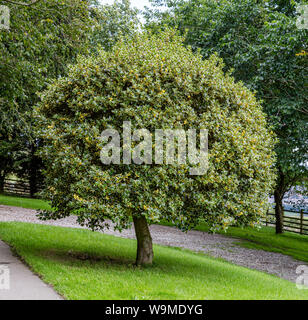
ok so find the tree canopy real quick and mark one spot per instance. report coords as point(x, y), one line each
point(154, 82)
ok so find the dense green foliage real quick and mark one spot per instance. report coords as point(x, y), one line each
point(85, 265)
point(156, 83)
point(260, 42)
point(43, 38)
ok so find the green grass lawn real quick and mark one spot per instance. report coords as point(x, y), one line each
point(265, 238)
point(81, 264)
point(23, 202)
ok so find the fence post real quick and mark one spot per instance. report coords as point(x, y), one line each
point(302, 221)
point(266, 222)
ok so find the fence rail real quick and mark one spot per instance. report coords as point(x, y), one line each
point(292, 224)
point(18, 187)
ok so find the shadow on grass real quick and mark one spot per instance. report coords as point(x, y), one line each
point(71, 257)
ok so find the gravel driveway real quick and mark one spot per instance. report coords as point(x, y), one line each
point(212, 244)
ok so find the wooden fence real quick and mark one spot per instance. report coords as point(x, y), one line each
point(297, 224)
point(18, 187)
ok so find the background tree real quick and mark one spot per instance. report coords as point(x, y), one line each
point(156, 83)
point(116, 20)
point(43, 38)
point(259, 41)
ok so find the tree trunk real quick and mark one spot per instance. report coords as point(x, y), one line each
point(144, 241)
point(278, 211)
point(279, 192)
point(33, 172)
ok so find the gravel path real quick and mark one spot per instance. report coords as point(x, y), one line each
point(212, 244)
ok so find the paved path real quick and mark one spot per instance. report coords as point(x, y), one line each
point(17, 282)
point(215, 245)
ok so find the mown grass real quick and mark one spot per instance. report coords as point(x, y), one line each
point(23, 202)
point(81, 264)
